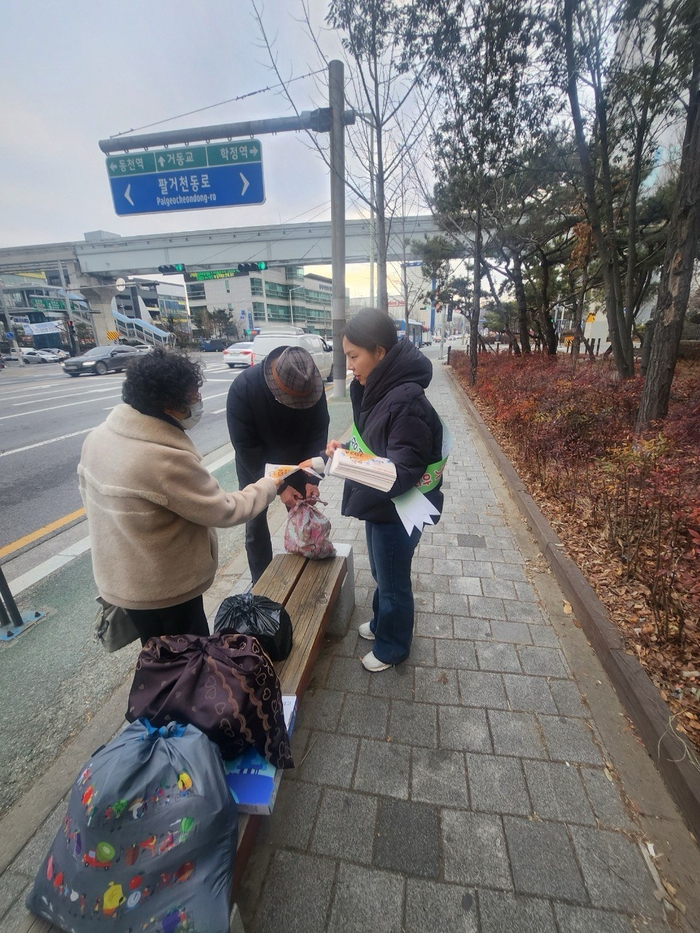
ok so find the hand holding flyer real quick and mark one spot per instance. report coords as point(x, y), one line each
point(281, 471)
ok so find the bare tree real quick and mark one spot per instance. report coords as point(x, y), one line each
point(381, 88)
point(625, 58)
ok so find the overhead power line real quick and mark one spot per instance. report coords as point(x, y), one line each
point(232, 100)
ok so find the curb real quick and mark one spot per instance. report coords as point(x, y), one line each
point(668, 749)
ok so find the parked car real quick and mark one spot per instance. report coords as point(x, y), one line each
point(317, 347)
point(100, 360)
point(238, 354)
point(39, 356)
point(212, 345)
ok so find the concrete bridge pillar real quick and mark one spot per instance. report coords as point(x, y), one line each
point(100, 295)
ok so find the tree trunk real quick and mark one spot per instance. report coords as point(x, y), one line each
point(521, 299)
point(382, 243)
point(677, 273)
point(550, 335)
point(578, 312)
point(621, 347)
point(476, 312)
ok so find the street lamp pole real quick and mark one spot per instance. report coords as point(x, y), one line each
point(69, 322)
point(293, 288)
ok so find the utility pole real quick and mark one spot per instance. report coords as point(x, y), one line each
point(336, 101)
point(372, 224)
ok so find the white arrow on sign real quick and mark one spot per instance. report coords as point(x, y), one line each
point(127, 195)
point(161, 161)
point(246, 183)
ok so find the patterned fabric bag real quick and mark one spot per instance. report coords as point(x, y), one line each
point(223, 684)
point(308, 531)
point(148, 841)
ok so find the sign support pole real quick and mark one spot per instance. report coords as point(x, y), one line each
point(336, 100)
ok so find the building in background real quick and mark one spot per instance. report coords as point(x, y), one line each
point(263, 299)
point(43, 316)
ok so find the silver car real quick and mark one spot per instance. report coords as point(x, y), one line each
point(39, 356)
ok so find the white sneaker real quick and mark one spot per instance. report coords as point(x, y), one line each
point(365, 631)
point(370, 663)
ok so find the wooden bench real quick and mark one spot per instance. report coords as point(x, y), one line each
point(310, 591)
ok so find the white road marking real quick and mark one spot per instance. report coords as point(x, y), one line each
point(53, 397)
point(52, 440)
point(38, 411)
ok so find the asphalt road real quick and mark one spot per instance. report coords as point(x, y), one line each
point(44, 417)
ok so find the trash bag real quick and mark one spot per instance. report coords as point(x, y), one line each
point(266, 620)
point(223, 684)
point(148, 841)
point(308, 531)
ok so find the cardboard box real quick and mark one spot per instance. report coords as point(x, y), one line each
point(253, 781)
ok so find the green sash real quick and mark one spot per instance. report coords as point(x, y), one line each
point(428, 481)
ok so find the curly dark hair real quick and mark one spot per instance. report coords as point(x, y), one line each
point(161, 379)
point(371, 328)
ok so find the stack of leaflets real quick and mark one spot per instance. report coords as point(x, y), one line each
point(251, 779)
point(377, 472)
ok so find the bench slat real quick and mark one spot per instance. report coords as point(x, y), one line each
point(280, 577)
point(310, 607)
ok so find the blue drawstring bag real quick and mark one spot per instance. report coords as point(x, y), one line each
point(148, 841)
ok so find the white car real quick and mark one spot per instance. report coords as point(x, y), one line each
point(317, 347)
point(39, 356)
point(238, 354)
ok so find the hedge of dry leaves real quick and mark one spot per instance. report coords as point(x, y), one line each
point(627, 508)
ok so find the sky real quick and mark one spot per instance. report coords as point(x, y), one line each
point(77, 71)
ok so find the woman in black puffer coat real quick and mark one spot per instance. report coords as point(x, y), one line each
point(394, 419)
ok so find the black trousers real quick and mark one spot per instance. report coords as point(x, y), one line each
point(258, 545)
point(184, 619)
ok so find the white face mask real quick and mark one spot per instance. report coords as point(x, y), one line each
point(194, 417)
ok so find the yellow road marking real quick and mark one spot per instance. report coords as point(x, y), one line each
point(40, 532)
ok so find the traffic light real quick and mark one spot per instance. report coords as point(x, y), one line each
point(172, 270)
point(252, 266)
point(449, 313)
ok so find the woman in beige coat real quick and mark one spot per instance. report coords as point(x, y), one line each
point(152, 506)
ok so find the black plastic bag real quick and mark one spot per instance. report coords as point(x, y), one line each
point(268, 621)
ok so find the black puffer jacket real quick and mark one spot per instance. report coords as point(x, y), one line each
point(395, 420)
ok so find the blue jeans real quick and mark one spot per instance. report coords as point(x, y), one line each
point(390, 552)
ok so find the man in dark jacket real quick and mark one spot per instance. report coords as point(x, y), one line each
point(276, 413)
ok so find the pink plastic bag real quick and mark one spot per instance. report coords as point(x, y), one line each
point(308, 531)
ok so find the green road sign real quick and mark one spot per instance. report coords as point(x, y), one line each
point(139, 164)
point(234, 153)
point(171, 160)
point(183, 158)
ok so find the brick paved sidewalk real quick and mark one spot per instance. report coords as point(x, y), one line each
point(490, 784)
point(468, 789)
